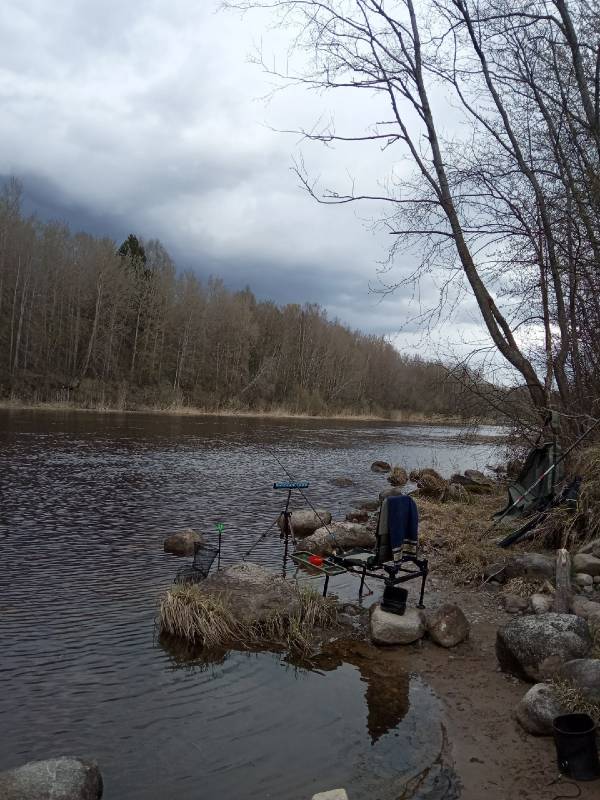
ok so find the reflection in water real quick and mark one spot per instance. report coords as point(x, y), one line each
point(85, 503)
point(387, 690)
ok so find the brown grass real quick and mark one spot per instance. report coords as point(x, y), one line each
point(571, 698)
point(186, 612)
point(450, 533)
point(523, 587)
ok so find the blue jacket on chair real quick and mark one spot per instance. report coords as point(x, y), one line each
point(403, 521)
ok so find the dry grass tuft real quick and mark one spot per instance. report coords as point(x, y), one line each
point(450, 535)
point(571, 699)
point(187, 612)
point(523, 587)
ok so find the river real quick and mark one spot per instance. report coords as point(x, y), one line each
point(86, 501)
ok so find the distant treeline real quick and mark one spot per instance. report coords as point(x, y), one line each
point(87, 322)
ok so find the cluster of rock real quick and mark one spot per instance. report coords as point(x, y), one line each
point(458, 488)
point(64, 778)
point(446, 626)
point(547, 648)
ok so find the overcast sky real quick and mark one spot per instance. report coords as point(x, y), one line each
point(146, 116)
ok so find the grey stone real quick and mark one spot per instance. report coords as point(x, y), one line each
point(447, 625)
point(581, 579)
point(252, 593)
point(538, 709)
point(389, 628)
point(182, 543)
point(332, 794)
point(64, 778)
point(596, 578)
point(305, 521)
point(381, 466)
point(588, 589)
point(513, 604)
point(584, 673)
point(368, 505)
point(344, 535)
point(525, 643)
point(357, 516)
point(583, 606)
point(342, 483)
point(541, 603)
point(583, 562)
point(495, 572)
point(530, 565)
point(591, 548)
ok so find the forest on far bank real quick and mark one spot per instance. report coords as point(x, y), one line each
point(87, 322)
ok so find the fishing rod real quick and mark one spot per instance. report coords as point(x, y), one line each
point(540, 479)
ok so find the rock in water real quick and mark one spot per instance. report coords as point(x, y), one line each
point(588, 564)
point(447, 625)
point(182, 543)
point(583, 673)
point(525, 643)
point(306, 521)
point(389, 628)
point(537, 710)
point(381, 466)
point(344, 535)
point(342, 483)
point(63, 778)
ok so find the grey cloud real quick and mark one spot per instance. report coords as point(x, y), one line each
point(143, 116)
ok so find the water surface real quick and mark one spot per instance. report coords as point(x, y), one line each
point(86, 500)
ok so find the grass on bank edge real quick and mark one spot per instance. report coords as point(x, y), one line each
point(450, 533)
point(191, 614)
point(397, 415)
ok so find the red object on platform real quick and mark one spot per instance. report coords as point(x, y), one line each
point(317, 561)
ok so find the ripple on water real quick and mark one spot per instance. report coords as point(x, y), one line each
point(86, 501)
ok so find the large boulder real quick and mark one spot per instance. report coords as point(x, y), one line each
point(530, 565)
point(381, 466)
point(586, 563)
point(367, 505)
point(64, 778)
point(251, 593)
point(538, 709)
point(447, 625)
point(526, 646)
point(183, 542)
point(583, 606)
point(584, 674)
point(306, 521)
point(389, 628)
point(342, 535)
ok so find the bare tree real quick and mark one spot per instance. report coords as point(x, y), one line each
point(510, 195)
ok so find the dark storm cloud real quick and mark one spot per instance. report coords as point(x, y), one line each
point(143, 117)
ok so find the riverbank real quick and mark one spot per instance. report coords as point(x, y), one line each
point(398, 416)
